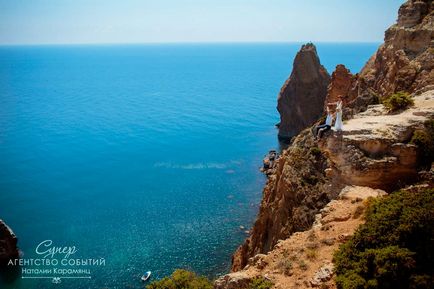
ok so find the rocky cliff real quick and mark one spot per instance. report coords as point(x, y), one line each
point(292, 196)
point(373, 150)
point(8, 244)
point(406, 59)
point(404, 62)
point(343, 84)
point(300, 99)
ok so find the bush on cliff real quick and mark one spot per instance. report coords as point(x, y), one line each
point(181, 279)
point(397, 101)
point(393, 249)
point(424, 139)
point(260, 283)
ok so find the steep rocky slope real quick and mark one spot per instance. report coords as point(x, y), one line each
point(300, 99)
point(406, 59)
point(291, 198)
point(304, 259)
point(404, 62)
point(372, 151)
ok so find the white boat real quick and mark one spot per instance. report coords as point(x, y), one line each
point(146, 276)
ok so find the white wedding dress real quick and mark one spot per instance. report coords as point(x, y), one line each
point(338, 123)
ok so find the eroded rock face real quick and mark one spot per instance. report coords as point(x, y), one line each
point(304, 260)
point(8, 244)
point(404, 62)
point(238, 280)
point(406, 59)
point(292, 197)
point(301, 97)
point(342, 84)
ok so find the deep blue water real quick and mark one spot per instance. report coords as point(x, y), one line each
point(145, 155)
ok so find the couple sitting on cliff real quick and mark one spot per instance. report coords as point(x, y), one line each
point(319, 130)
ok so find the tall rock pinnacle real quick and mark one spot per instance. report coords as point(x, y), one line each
point(300, 101)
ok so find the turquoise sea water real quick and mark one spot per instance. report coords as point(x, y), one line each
point(144, 155)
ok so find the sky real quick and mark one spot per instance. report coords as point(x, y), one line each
point(156, 21)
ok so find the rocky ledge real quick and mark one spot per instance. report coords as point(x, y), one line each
point(374, 150)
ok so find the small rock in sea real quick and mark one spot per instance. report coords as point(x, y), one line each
point(247, 232)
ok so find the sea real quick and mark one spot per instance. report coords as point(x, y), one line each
point(129, 158)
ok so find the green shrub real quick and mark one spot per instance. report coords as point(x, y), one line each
point(393, 249)
point(181, 279)
point(424, 139)
point(311, 254)
point(260, 283)
point(315, 151)
point(397, 101)
point(285, 266)
point(302, 265)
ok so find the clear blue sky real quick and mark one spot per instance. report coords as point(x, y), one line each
point(137, 21)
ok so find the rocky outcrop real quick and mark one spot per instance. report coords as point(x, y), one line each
point(404, 62)
point(301, 97)
point(343, 83)
point(374, 150)
point(406, 59)
point(8, 244)
point(305, 259)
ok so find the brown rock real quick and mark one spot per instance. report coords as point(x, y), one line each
point(8, 244)
point(324, 274)
point(292, 197)
point(406, 59)
point(238, 280)
point(342, 84)
point(301, 97)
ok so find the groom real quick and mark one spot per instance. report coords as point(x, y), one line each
point(319, 130)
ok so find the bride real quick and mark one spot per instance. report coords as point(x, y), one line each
point(338, 123)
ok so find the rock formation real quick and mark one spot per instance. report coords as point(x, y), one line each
point(8, 244)
point(343, 83)
point(405, 61)
point(301, 97)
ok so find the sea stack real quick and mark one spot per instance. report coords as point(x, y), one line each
point(8, 244)
point(301, 98)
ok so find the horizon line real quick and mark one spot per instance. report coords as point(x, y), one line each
point(183, 42)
